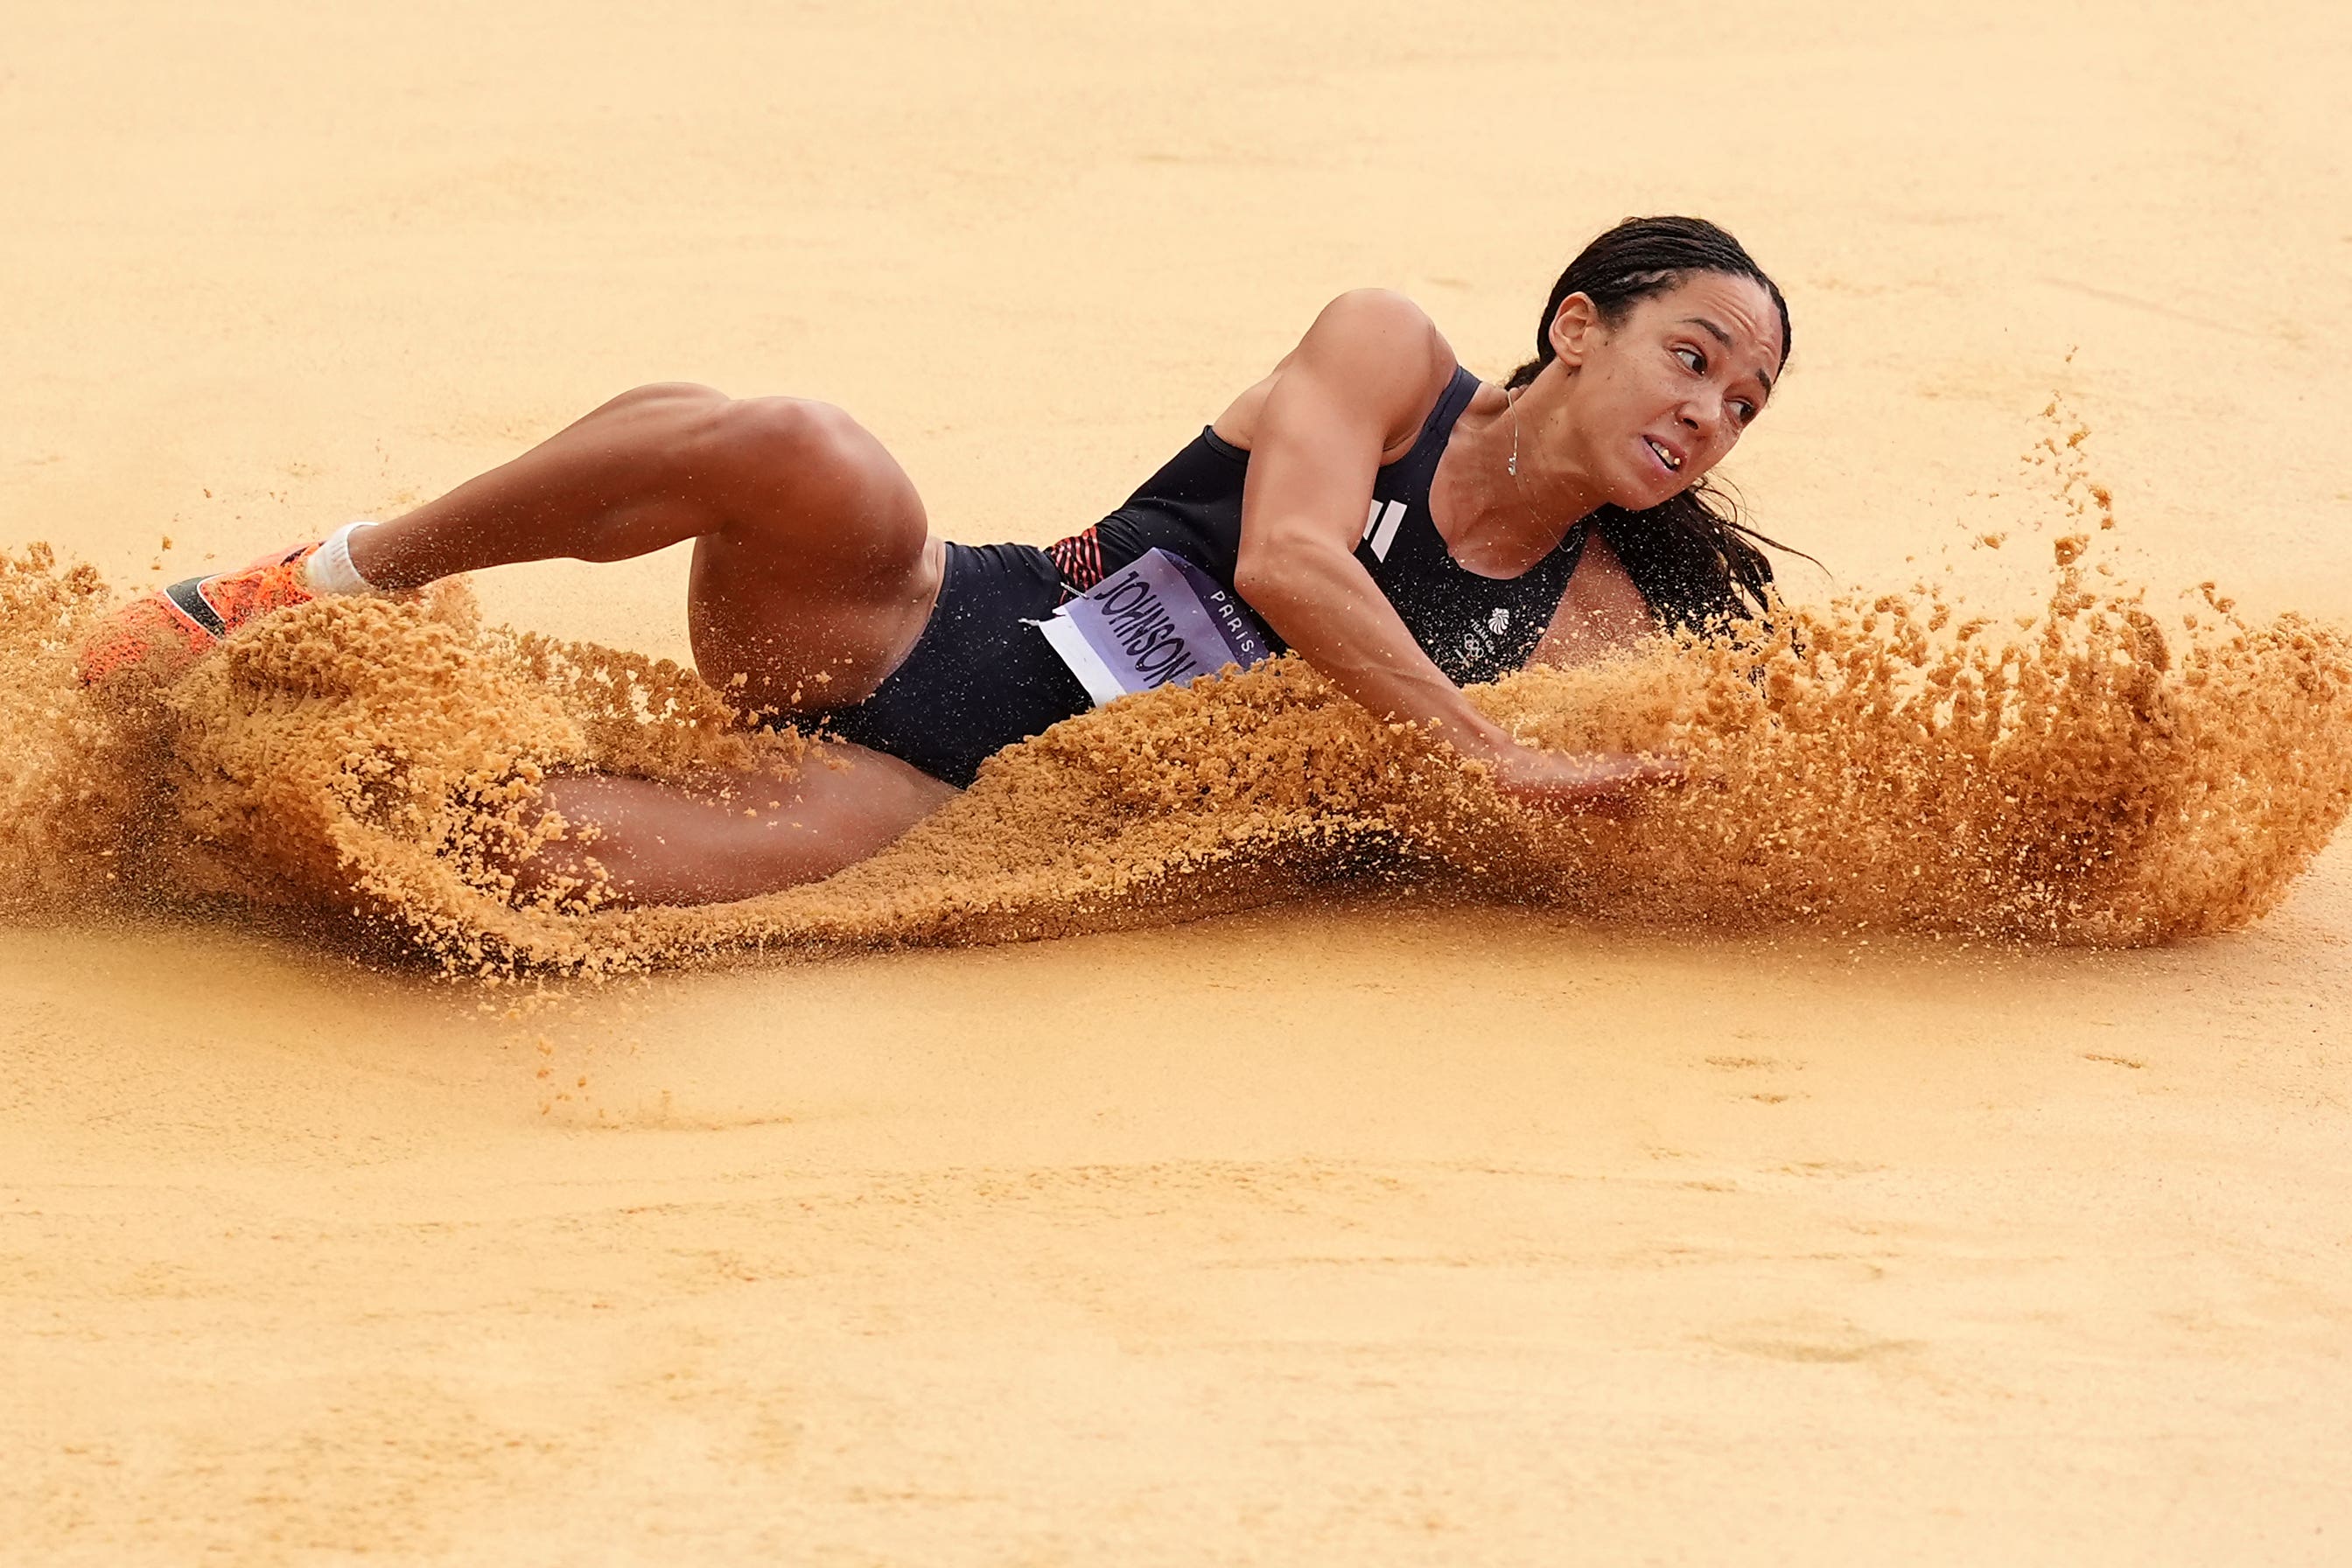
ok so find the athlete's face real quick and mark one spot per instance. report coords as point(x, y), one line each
point(1659, 400)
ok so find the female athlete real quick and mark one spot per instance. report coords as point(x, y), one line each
point(1401, 525)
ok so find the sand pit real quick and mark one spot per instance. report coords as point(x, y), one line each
point(1924, 1137)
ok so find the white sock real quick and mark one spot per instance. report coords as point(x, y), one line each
point(330, 570)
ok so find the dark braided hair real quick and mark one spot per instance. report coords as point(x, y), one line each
point(1692, 557)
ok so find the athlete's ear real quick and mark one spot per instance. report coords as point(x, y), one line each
point(1574, 328)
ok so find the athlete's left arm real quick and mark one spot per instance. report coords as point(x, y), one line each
point(1601, 613)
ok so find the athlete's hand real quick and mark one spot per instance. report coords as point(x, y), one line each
point(1600, 783)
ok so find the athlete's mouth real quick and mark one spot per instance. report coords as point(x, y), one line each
point(1665, 454)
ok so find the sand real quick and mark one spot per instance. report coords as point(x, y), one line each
point(1398, 1219)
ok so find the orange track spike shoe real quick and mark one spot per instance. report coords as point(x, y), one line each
point(164, 633)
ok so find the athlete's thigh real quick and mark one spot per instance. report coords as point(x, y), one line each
point(732, 837)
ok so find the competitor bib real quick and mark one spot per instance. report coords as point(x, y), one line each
point(1158, 621)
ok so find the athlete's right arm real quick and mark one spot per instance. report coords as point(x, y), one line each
point(1359, 386)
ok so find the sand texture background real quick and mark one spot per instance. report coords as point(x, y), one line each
point(1353, 1228)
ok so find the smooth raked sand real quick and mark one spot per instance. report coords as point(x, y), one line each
point(1351, 1229)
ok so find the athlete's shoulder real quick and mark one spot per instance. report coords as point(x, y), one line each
point(1379, 304)
point(1384, 321)
point(1372, 359)
point(1384, 347)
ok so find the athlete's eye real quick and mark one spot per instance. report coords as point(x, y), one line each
point(1747, 409)
point(1693, 361)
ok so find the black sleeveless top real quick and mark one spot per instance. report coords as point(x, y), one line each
point(1473, 627)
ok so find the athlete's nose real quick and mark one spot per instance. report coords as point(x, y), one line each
point(1702, 412)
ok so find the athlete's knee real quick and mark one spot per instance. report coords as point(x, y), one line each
point(806, 474)
point(773, 437)
point(695, 440)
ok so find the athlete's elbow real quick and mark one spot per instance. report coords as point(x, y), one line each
point(1266, 573)
point(1283, 567)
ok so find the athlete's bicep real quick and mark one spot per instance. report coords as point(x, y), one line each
point(1602, 611)
point(1360, 380)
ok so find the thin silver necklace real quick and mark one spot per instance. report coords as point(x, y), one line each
point(1512, 404)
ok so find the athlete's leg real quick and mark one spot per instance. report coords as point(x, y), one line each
point(813, 576)
point(658, 843)
point(813, 570)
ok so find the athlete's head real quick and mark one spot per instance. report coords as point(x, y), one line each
point(1671, 337)
point(1667, 340)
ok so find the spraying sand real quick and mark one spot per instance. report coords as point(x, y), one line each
point(1878, 766)
point(1923, 1134)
